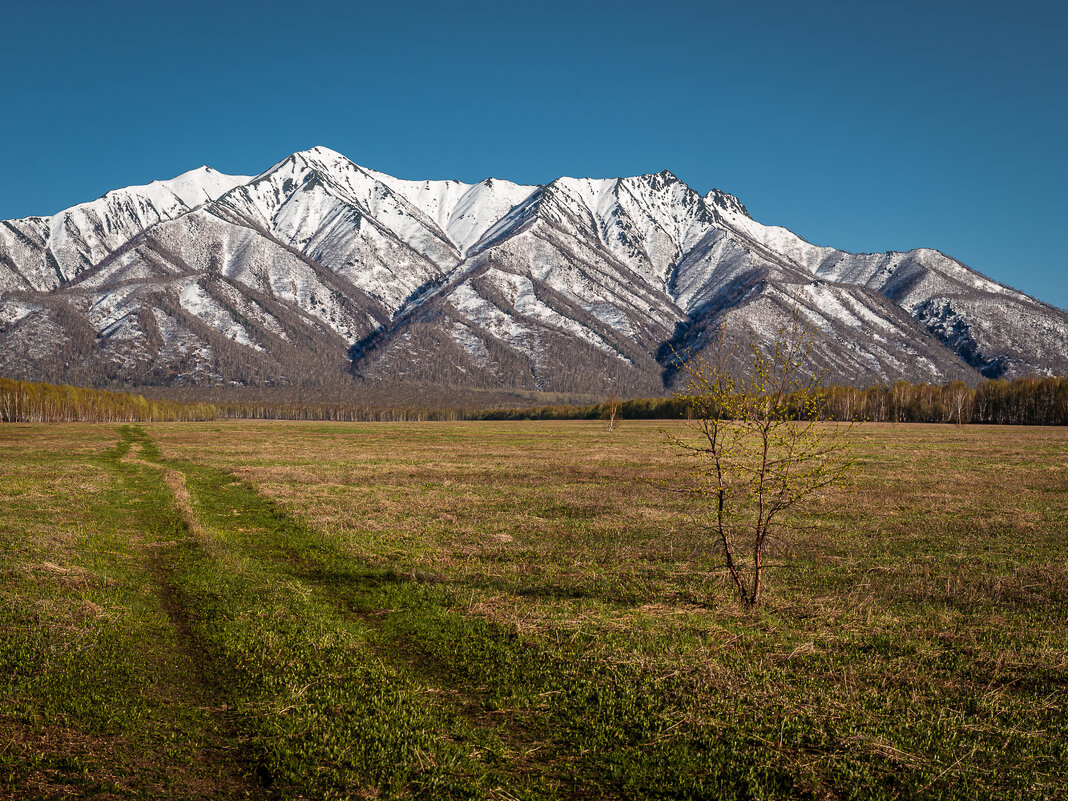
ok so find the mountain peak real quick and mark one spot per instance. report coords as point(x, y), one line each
point(315, 158)
point(658, 180)
point(724, 201)
point(324, 158)
point(202, 185)
point(321, 152)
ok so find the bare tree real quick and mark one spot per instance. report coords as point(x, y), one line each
point(960, 399)
point(760, 448)
point(612, 408)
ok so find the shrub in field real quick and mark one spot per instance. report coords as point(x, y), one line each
point(760, 448)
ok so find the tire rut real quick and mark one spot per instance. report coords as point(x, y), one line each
point(189, 681)
point(528, 754)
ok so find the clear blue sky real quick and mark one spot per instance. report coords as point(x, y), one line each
point(866, 126)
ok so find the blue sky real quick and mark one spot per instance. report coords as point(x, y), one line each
point(866, 126)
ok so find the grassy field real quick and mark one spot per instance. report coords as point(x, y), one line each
point(520, 610)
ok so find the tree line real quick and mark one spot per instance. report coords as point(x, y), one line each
point(33, 402)
point(38, 402)
point(335, 412)
point(1022, 401)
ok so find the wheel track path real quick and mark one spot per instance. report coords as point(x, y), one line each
point(519, 746)
point(191, 678)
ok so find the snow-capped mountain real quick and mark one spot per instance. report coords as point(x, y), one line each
point(318, 267)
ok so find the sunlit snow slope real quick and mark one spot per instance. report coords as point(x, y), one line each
point(318, 268)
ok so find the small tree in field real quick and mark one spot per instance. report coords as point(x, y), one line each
point(760, 449)
point(612, 408)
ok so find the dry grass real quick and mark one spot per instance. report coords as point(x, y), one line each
point(566, 506)
point(912, 643)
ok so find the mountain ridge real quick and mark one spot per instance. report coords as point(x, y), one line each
point(318, 269)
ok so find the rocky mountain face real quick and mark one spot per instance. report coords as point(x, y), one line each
point(319, 269)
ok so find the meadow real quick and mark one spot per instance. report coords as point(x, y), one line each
point(521, 610)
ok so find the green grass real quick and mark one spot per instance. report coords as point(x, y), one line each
point(519, 610)
point(99, 692)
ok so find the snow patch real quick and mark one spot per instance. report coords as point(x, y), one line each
point(11, 311)
point(195, 300)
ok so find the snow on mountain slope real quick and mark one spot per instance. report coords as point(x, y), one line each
point(520, 297)
point(664, 217)
point(646, 223)
point(82, 236)
point(558, 246)
point(48, 251)
point(341, 216)
point(464, 212)
point(209, 246)
point(778, 241)
point(25, 261)
point(717, 268)
point(858, 337)
point(875, 270)
point(201, 185)
point(578, 285)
